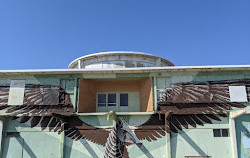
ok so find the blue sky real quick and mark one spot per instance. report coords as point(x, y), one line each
point(50, 34)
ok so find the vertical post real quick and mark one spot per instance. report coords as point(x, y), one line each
point(114, 117)
point(167, 130)
point(155, 93)
point(233, 137)
point(158, 62)
point(62, 141)
point(232, 116)
point(76, 94)
point(79, 64)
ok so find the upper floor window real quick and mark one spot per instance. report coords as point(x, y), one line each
point(120, 101)
point(16, 92)
point(124, 99)
point(221, 132)
point(110, 99)
point(162, 83)
point(238, 93)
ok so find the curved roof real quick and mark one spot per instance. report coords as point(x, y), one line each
point(94, 55)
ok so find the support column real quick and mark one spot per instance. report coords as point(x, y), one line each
point(155, 93)
point(79, 64)
point(62, 141)
point(232, 116)
point(167, 130)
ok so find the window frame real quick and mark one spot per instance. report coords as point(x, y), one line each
point(120, 99)
point(117, 103)
point(104, 104)
point(220, 134)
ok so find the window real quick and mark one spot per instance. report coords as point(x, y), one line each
point(16, 92)
point(110, 99)
point(70, 86)
point(221, 132)
point(124, 99)
point(118, 101)
point(238, 93)
point(101, 99)
point(162, 83)
point(12, 134)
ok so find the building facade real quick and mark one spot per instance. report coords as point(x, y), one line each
point(125, 104)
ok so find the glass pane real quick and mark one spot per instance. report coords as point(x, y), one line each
point(224, 132)
point(111, 104)
point(216, 132)
point(111, 99)
point(124, 99)
point(101, 98)
point(160, 83)
point(102, 104)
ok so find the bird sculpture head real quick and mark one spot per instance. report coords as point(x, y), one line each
point(125, 134)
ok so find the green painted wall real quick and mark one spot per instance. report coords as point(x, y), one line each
point(200, 141)
point(190, 142)
point(33, 142)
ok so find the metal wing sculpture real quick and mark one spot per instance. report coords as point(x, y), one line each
point(194, 103)
point(50, 107)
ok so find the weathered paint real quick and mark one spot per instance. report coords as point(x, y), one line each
point(16, 92)
point(131, 75)
point(32, 147)
point(86, 148)
point(201, 142)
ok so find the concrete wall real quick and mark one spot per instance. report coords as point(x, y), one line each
point(191, 142)
point(201, 142)
point(33, 142)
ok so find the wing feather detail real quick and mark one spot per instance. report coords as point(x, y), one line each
point(202, 92)
point(152, 129)
point(113, 147)
point(178, 122)
point(196, 103)
point(4, 94)
point(73, 127)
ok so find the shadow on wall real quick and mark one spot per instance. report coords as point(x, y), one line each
point(189, 141)
point(89, 148)
point(26, 148)
point(146, 152)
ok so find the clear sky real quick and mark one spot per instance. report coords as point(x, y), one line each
point(49, 34)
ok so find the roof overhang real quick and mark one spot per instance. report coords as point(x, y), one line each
point(126, 70)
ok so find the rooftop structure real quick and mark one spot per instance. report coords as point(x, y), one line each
point(118, 59)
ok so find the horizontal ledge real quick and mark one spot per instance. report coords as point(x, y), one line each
point(117, 113)
point(125, 70)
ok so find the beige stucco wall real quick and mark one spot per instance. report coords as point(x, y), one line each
point(88, 89)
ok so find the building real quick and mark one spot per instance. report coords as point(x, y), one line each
point(125, 104)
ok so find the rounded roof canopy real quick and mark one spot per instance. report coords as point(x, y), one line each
point(119, 58)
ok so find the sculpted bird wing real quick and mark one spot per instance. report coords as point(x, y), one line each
point(50, 107)
point(198, 103)
point(39, 100)
point(152, 129)
point(72, 126)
